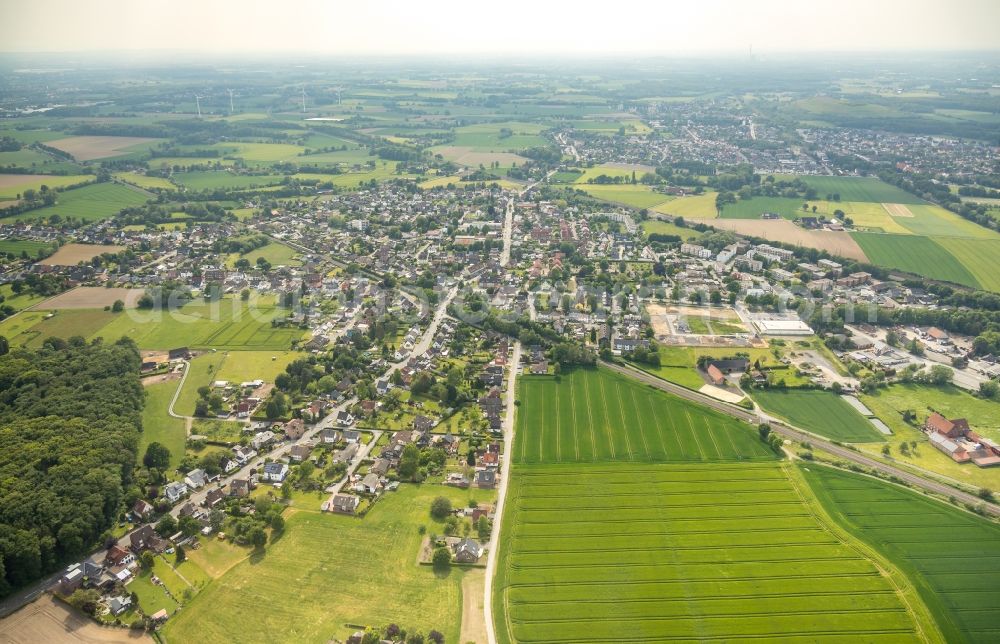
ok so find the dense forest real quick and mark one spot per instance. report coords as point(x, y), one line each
point(70, 417)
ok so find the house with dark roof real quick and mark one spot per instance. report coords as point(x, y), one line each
point(486, 479)
point(345, 503)
point(468, 551)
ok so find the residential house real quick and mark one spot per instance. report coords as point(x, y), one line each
point(118, 556)
point(145, 538)
point(175, 491)
point(330, 436)
point(370, 484)
point(142, 510)
point(344, 418)
point(345, 503)
point(295, 428)
point(352, 436)
point(275, 472)
point(468, 551)
point(486, 478)
point(299, 453)
point(195, 479)
point(240, 487)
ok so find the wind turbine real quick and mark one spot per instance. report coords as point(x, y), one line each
point(303, 99)
point(197, 101)
point(231, 110)
point(339, 89)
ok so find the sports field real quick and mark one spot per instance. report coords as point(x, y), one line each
point(226, 324)
point(329, 571)
point(644, 553)
point(819, 412)
point(951, 556)
point(595, 415)
point(89, 203)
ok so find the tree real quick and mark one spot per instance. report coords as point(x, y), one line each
point(483, 527)
point(181, 555)
point(216, 519)
point(435, 636)
point(85, 600)
point(166, 526)
point(989, 389)
point(146, 560)
point(441, 508)
point(441, 558)
point(156, 456)
point(764, 430)
point(277, 523)
point(245, 294)
point(409, 462)
point(941, 375)
point(118, 306)
point(4, 345)
point(189, 526)
point(257, 536)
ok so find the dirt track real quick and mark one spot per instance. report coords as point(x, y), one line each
point(473, 617)
point(52, 622)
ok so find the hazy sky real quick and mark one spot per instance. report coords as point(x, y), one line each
point(576, 27)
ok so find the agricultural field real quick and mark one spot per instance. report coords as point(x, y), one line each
point(488, 137)
point(212, 179)
point(18, 325)
point(602, 553)
point(819, 412)
point(623, 170)
point(260, 152)
point(980, 257)
point(14, 185)
point(89, 203)
point(73, 254)
point(595, 415)
point(225, 324)
point(159, 426)
point(144, 181)
point(241, 366)
point(87, 148)
point(66, 324)
point(635, 196)
point(870, 189)
point(92, 297)
point(935, 221)
point(657, 226)
point(18, 246)
point(313, 589)
point(694, 207)
point(952, 557)
point(914, 254)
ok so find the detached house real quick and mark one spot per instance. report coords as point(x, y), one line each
point(275, 472)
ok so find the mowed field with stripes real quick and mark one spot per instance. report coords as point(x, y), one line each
point(594, 415)
point(634, 516)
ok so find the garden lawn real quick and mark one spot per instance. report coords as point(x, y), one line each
point(327, 571)
point(951, 556)
point(158, 426)
point(819, 412)
point(592, 415)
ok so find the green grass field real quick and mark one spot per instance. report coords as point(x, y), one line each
point(159, 426)
point(486, 137)
point(951, 556)
point(914, 254)
point(679, 364)
point(934, 221)
point(211, 179)
point(868, 189)
point(328, 571)
point(276, 254)
point(952, 402)
point(67, 323)
point(637, 196)
point(89, 203)
point(666, 228)
point(203, 371)
point(226, 324)
point(241, 366)
point(597, 415)
point(141, 180)
point(18, 246)
point(645, 553)
point(614, 170)
point(820, 412)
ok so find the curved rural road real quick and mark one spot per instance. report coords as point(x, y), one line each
point(784, 429)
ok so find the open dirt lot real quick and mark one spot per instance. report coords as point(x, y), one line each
point(782, 230)
point(85, 148)
point(49, 621)
point(897, 209)
point(466, 156)
point(73, 254)
point(10, 180)
point(92, 297)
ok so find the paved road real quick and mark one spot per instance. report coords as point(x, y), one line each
point(784, 429)
point(508, 442)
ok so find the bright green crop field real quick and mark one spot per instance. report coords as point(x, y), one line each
point(820, 412)
point(597, 415)
point(644, 553)
point(89, 203)
point(915, 254)
point(951, 556)
point(868, 189)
